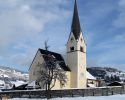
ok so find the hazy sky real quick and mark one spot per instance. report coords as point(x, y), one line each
point(26, 24)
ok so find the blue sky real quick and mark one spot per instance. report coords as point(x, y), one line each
point(26, 24)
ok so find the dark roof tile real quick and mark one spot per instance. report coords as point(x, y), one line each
point(58, 57)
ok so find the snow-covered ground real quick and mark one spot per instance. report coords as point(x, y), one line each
point(114, 97)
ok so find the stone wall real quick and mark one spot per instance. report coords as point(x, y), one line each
point(102, 91)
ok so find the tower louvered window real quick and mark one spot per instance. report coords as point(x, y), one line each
point(71, 48)
point(81, 49)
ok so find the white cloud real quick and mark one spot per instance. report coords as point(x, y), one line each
point(119, 21)
point(22, 19)
point(22, 22)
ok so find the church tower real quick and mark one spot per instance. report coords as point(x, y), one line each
point(76, 53)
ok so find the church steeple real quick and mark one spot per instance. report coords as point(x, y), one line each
point(75, 28)
point(76, 53)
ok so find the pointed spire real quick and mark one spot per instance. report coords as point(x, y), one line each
point(75, 28)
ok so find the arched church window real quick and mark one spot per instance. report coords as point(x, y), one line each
point(71, 48)
point(81, 49)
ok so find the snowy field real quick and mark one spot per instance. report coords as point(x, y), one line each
point(114, 97)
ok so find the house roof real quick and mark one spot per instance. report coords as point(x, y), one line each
point(58, 57)
point(21, 87)
point(75, 28)
point(115, 84)
point(91, 85)
point(89, 76)
point(32, 85)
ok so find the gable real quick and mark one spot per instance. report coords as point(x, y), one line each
point(37, 59)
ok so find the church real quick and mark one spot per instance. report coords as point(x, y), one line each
point(75, 65)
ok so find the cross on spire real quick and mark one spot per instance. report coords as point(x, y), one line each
point(46, 45)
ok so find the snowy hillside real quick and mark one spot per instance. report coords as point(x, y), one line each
point(103, 72)
point(9, 77)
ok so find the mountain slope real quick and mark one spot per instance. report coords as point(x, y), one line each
point(11, 76)
point(103, 72)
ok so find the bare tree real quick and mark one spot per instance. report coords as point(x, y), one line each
point(49, 72)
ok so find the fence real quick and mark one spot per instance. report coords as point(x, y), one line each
point(102, 91)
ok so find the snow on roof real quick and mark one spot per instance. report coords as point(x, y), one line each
point(5, 75)
point(91, 85)
point(2, 82)
point(89, 76)
point(18, 83)
point(32, 85)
